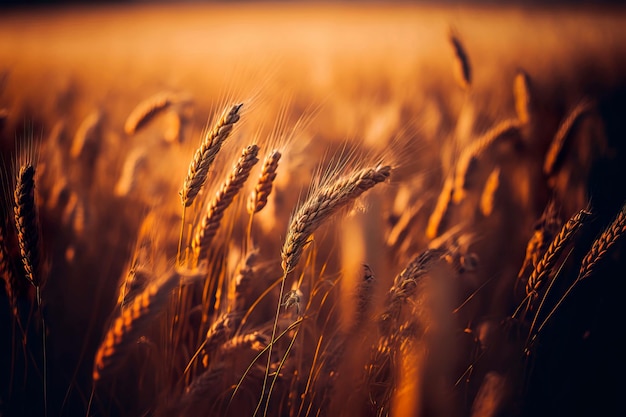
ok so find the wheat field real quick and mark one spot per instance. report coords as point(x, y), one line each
point(315, 209)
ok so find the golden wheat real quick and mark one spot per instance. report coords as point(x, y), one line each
point(207, 229)
point(558, 244)
point(472, 153)
point(602, 244)
point(27, 223)
point(321, 205)
point(258, 197)
point(556, 149)
point(206, 153)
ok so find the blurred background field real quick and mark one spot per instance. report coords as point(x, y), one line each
point(350, 81)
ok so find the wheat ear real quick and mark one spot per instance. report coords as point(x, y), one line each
point(558, 244)
point(206, 230)
point(258, 197)
point(441, 208)
point(206, 153)
point(473, 152)
point(555, 151)
point(146, 110)
point(128, 326)
point(462, 68)
point(488, 196)
point(602, 244)
point(26, 223)
point(405, 285)
point(523, 97)
point(322, 204)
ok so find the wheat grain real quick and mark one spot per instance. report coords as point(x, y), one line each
point(258, 197)
point(206, 153)
point(207, 229)
point(322, 204)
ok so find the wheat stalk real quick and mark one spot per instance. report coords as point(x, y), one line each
point(555, 151)
point(473, 152)
point(206, 153)
point(602, 244)
point(558, 244)
point(258, 197)
point(26, 222)
point(322, 204)
point(207, 229)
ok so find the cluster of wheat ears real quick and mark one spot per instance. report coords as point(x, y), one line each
point(237, 298)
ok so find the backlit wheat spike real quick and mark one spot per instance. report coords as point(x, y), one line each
point(258, 197)
point(207, 229)
point(441, 208)
point(26, 222)
point(555, 151)
point(488, 196)
point(243, 281)
point(558, 244)
point(364, 295)
point(206, 153)
point(545, 229)
point(131, 322)
point(146, 110)
point(322, 204)
point(462, 68)
point(602, 244)
point(473, 152)
point(86, 136)
point(523, 96)
point(405, 285)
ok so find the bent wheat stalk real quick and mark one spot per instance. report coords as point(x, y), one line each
point(321, 205)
